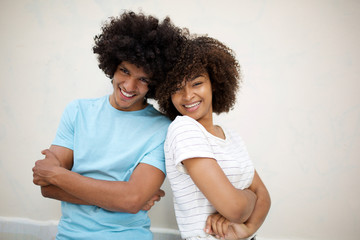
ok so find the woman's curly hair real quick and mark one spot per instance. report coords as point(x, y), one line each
point(203, 54)
point(141, 40)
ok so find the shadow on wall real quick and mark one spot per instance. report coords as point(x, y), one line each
point(20, 228)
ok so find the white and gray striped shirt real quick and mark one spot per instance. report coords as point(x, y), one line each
point(186, 138)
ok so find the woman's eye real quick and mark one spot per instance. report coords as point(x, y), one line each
point(179, 88)
point(197, 84)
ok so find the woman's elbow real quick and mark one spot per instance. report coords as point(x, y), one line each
point(241, 210)
point(267, 200)
point(238, 216)
point(238, 213)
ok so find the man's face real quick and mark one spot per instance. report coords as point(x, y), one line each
point(130, 85)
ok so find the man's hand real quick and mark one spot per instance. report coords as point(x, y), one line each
point(44, 169)
point(157, 196)
point(220, 227)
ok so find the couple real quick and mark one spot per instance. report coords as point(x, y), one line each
point(107, 162)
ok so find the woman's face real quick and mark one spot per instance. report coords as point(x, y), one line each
point(194, 98)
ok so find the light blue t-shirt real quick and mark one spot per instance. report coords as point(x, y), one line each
point(108, 144)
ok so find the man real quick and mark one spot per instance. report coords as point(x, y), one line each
point(106, 163)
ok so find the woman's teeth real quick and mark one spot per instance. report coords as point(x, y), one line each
point(192, 105)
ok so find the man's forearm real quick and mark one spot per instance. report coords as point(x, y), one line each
point(54, 192)
point(96, 192)
point(120, 196)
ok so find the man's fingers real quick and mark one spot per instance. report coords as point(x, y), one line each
point(39, 181)
point(158, 195)
point(161, 193)
point(47, 153)
point(35, 168)
point(148, 205)
point(155, 198)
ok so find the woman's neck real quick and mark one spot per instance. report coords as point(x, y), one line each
point(215, 130)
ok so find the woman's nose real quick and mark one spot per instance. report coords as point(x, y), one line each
point(188, 93)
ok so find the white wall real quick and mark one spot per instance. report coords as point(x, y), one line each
point(298, 111)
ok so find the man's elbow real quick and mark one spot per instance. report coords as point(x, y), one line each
point(46, 192)
point(133, 204)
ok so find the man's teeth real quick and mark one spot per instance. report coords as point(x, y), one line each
point(192, 105)
point(127, 94)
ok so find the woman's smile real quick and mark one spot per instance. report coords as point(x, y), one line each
point(192, 106)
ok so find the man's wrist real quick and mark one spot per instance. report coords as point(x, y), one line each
point(56, 177)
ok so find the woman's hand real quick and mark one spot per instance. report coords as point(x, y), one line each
point(222, 228)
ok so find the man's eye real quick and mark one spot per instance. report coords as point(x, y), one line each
point(124, 70)
point(145, 80)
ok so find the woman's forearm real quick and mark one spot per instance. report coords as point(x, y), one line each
point(262, 205)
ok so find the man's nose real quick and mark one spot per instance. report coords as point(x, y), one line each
point(130, 84)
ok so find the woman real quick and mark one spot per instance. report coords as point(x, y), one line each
point(217, 192)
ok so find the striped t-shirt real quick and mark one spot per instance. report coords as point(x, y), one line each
point(186, 138)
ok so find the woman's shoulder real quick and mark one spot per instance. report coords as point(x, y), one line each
point(184, 123)
point(184, 126)
point(233, 136)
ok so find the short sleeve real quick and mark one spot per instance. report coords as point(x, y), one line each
point(186, 139)
point(155, 156)
point(65, 132)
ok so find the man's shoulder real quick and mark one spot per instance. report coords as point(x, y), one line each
point(86, 102)
point(154, 113)
point(90, 101)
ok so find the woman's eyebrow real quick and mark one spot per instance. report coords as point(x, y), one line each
point(196, 76)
